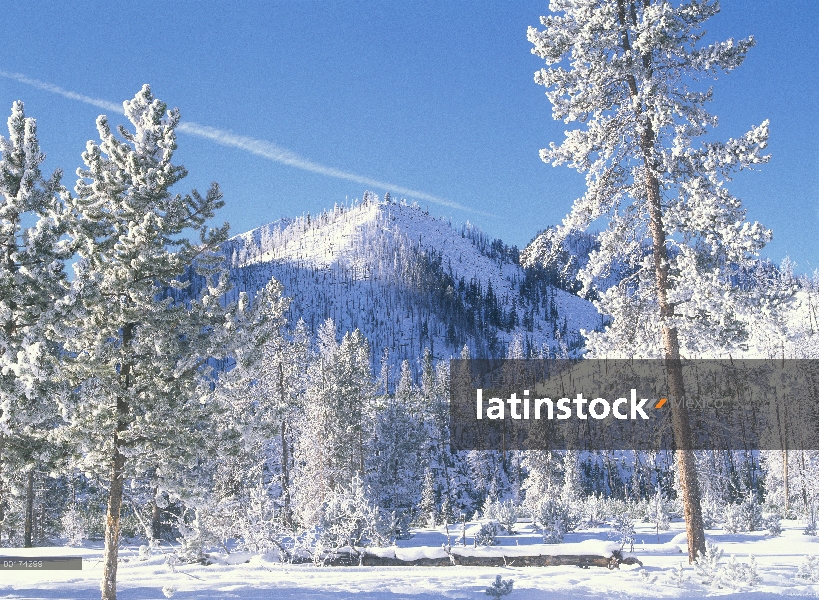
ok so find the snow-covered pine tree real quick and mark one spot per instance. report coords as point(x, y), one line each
point(449, 467)
point(245, 468)
point(628, 70)
point(32, 280)
point(330, 447)
point(541, 483)
point(135, 347)
point(291, 369)
point(395, 451)
point(427, 508)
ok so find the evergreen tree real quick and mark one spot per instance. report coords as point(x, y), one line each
point(331, 447)
point(136, 348)
point(32, 280)
point(628, 69)
point(427, 506)
point(396, 448)
point(253, 402)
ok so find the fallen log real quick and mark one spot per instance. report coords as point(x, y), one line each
point(456, 557)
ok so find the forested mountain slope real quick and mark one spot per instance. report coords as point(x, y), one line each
point(408, 281)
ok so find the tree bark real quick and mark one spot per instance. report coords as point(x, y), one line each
point(785, 478)
point(671, 346)
point(676, 388)
point(156, 517)
point(112, 524)
point(29, 520)
point(116, 486)
point(285, 477)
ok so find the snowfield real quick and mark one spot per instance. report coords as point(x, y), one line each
point(242, 575)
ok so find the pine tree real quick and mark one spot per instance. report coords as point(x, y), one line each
point(32, 280)
point(136, 347)
point(628, 70)
point(395, 449)
point(254, 404)
point(331, 447)
point(427, 506)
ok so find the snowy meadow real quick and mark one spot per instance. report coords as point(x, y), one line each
point(781, 569)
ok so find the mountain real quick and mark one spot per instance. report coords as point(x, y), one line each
point(410, 281)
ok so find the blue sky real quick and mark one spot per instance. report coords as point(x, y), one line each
point(436, 97)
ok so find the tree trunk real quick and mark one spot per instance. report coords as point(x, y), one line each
point(802, 480)
point(111, 553)
point(115, 490)
point(156, 517)
point(785, 479)
point(29, 520)
point(671, 346)
point(287, 517)
point(285, 477)
point(676, 388)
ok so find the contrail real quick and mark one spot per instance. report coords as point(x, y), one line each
point(255, 146)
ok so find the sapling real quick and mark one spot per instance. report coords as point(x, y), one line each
point(500, 587)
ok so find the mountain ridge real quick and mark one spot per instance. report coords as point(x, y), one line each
point(408, 281)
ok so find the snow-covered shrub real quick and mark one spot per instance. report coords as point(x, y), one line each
point(712, 511)
point(646, 576)
point(554, 532)
point(554, 519)
point(447, 514)
point(809, 569)
point(593, 512)
point(73, 523)
point(171, 560)
point(205, 524)
point(11, 526)
point(657, 513)
point(256, 526)
point(733, 519)
point(487, 535)
point(642, 510)
point(708, 565)
point(500, 587)
point(731, 574)
point(810, 527)
point(349, 519)
point(614, 507)
point(145, 550)
point(678, 574)
point(735, 574)
point(507, 515)
point(399, 524)
point(490, 508)
point(746, 516)
point(306, 544)
point(623, 527)
point(773, 525)
point(427, 509)
point(194, 538)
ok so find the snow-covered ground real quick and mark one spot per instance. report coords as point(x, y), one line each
point(241, 575)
